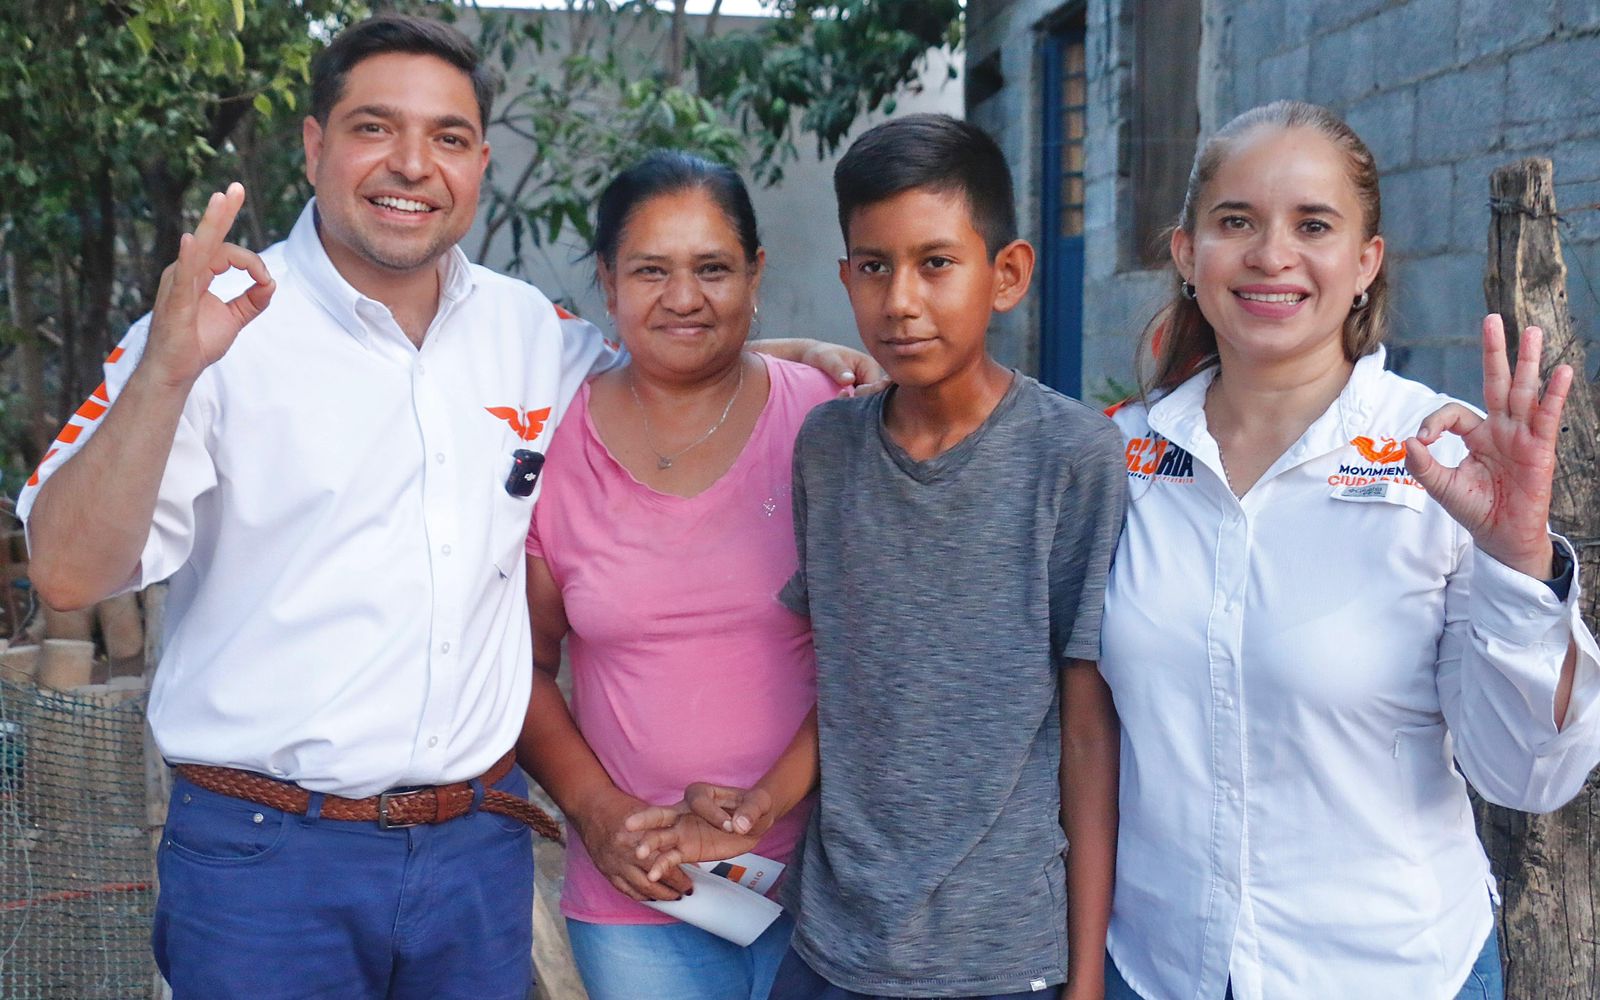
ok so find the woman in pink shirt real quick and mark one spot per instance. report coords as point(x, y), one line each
point(659, 542)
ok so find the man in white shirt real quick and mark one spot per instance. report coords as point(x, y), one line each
point(332, 450)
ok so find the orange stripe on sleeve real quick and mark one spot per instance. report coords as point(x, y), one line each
point(33, 480)
point(565, 314)
point(114, 356)
point(92, 409)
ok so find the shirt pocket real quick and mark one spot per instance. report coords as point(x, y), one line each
point(510, 518)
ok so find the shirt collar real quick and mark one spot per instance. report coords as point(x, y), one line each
point(1180, 416)
point(323, 282)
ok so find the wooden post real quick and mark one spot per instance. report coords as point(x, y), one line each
point(1549, 931)
point(157, 779)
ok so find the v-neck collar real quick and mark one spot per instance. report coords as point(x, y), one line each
point(954, 458)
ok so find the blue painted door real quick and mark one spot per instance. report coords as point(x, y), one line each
point(1065, 83)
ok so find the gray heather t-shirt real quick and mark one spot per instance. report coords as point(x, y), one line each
point(945, 595)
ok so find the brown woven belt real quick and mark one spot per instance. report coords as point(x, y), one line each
point(435, 804)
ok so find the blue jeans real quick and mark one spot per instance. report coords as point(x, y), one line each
point(675, 961)
point(798, 981)
point(1484, 982)
point(269, 905)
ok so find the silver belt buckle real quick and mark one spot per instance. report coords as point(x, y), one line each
point(384, 823)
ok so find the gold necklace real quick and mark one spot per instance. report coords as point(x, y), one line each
point(664, 462)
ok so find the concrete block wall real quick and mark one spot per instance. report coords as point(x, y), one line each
point(1443, 91)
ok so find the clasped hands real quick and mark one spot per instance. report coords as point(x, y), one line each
point(639, 847)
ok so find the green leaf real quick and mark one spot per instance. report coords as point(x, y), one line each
point(139, 27)
point(263, 105)
point(238, 15)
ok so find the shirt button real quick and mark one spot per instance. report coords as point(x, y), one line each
point(422, 369)
point(1227, 701)
point(433, 741)
point(257, 818)
point(444, 647)
point(439, 458)
point(444, 549)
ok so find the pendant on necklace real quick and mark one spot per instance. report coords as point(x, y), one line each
point(663, 463)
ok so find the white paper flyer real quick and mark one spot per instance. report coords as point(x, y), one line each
point(728, 898)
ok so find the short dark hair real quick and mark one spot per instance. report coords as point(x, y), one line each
point(935, 153)
point(377, 36)
point(669, 171)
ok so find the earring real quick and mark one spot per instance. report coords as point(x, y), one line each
point(1361, 301)
point(1187, 290)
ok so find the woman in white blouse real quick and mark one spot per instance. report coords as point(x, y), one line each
point(1335, 595)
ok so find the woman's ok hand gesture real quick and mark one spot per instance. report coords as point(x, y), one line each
point(1501, 491)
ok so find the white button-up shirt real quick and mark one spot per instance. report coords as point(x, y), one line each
point(1300, 673)
point(347, 603)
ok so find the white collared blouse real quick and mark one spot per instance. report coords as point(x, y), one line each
point(347, 604)
point(1304, 675)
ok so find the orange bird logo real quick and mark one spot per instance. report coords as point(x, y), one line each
point(1380, 452)
point(528, 424)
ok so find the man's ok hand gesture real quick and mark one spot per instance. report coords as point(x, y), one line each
point(190, 327)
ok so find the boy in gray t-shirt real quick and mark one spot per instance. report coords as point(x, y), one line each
point(954, 535)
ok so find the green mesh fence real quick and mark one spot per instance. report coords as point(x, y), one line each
point(77, 881)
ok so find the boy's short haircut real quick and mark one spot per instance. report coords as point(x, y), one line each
point(935, 153)
point(403, 33)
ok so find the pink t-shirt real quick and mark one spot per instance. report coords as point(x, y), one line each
point(684, 665)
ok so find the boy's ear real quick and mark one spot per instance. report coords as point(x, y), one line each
point(1013, 268)
point(844, 272)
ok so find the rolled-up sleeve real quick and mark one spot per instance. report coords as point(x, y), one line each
point(1500, 661)
point(190, 470)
